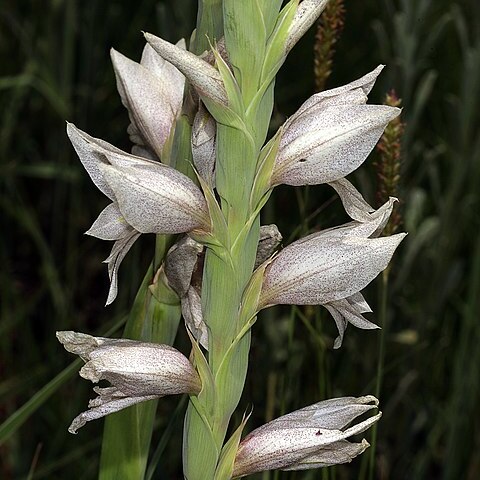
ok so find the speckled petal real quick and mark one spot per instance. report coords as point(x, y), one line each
point(155, 198)
point(119, 250)
point(307, 13)
point(153, 103)
point(170, 75)
point(334, 413)
point(344, 312)
point(105, 409)
point(320, 270)
point(358, 209)
point(110, 224)
point(354, 93)
point(334, 454)
point(205, 78)
point(327, 146)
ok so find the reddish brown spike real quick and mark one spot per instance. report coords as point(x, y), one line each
point(329, 29)
point(388, 165)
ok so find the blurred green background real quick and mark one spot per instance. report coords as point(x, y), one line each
point(54, 66)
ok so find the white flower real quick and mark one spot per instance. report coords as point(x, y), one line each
point(152, 92)
point(330, 135)
point(147, 196)
point(312, 437)
point(330, 268)
point(138, 371)
point(183, 269)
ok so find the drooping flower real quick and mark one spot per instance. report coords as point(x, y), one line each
point(330, 135)
point(312, 437)
point(147, 196)
point(152, 92)
point(137, 371)
point(330, 268)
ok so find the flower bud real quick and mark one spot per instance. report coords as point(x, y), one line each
point(307, 13)
point(205, 78)
point(312, 437)
point(270, 239)
point(138, 371)
point(152, 92)
point(183, 269)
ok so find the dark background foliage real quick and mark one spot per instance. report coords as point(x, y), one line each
point(55, 67)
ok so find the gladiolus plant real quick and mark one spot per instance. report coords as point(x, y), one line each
point(200, 171)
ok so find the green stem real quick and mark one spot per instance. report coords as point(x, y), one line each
point(383, 320)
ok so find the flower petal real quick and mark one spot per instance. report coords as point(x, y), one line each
point(170, 75)
point(106, 409)
point(325, 147)
point(152, 103)
point(320, 270)
point(110, 225)
point(334, 413)
point(343, 312)
point(333, 454)
point(155, 198)
point(94, 152)
point(119, 250)
point(307, 12)
point(354, 93)
point(205, 78)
